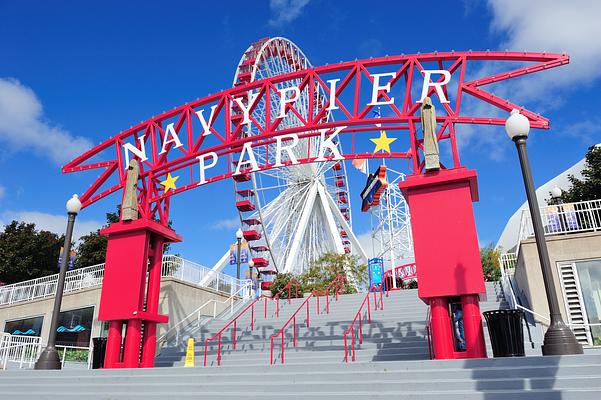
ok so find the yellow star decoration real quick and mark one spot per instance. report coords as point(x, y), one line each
point(383, 142)
point(169, 183)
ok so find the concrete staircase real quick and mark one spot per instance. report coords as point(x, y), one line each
point(396, 333)
point(391, 362)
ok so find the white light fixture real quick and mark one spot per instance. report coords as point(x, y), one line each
point(517, 125)
point(556, 192)
point(73, 205)
point(251, 263)
point(239, 234)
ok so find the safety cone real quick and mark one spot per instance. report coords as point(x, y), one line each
point(190, 354)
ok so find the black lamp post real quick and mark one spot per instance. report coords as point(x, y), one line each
point(559, 338)
point(49, 358)
point(239, 235)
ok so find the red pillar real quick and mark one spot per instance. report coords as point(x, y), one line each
point(113, 345)
point(131, 348)
point(472, 326)
point(152, 302)
point(126, 297)
point(442, 336)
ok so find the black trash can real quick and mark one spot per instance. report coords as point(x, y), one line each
point(98, 352)
point(506, 334)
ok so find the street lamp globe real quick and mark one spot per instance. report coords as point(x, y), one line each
point(517, 125)
point(239, 234)
point(73, 205)
point(251, 263)
point(556, 192)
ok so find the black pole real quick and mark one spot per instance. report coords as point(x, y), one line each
point(49, 358)
point(238, 259)
point(559, 338)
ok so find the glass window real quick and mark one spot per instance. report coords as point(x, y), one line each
point(589, 275)
point(75, 327)
point(27, 326)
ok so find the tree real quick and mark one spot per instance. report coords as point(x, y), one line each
point(491, 267)
point(92, 248)
point(26, 253)
point(589, 188)
point(321, 272)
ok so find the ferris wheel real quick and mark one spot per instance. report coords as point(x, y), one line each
point(293, 214)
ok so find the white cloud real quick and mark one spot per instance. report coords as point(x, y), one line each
point(23, 127)
point(51, 222)
point(370, 246)
point(538, 26)
point(227, 224)
point(285, 11)
point(553, 26)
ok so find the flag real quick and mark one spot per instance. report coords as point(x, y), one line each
point(243, 253)
point(361, 165)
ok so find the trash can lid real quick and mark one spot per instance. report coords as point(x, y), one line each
point(512, 311)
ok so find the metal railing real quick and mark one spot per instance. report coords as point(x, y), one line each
point(88, 277)
point(46, 286)
point(336, 285)
point(25, 350)
point(584, 216)
point(196, 315)
point(508, 262)
point(287, 287)
point(233, 322)
point(359, 318)
point(406, 272)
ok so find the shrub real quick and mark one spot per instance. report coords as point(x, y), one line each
point(280, 281)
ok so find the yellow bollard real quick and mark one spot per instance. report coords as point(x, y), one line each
point(190, 354)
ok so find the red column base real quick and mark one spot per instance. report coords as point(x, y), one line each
point(442, 329)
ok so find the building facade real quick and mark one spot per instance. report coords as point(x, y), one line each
point(26, 307)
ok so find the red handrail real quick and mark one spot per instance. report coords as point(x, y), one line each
point(251, 306)
point(338, 280)
point(277, 296)
point(359, 317)
point(389, 274)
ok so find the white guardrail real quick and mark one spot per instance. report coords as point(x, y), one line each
point(584, 216)
point(23, 352)
point(88, 277)
point(208, 310)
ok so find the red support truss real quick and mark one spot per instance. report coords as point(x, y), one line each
point(214, 124)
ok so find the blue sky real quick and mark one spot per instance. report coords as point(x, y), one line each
point(74, 73)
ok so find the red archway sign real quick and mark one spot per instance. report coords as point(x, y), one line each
point(205, 141)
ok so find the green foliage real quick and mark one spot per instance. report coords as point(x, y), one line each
point(323, 271)
point(589, 188)
point(491, 267)
point(26, 253)
point(92, 247)
point(75, 355)
point(280, 281)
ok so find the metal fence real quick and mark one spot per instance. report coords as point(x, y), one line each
point(23, 351)
point(584, 216)
point(82, 278)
